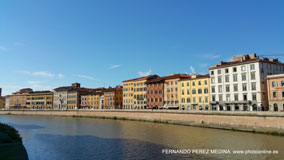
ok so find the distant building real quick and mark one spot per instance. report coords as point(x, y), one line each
point(7, 102)
point(2, 102)
point(241, 83)
point(275, 89)
point(91, 100)
point(68, 97)
point(113, 98)
point(194, 92)
point(155, 93)
point(135, 91)
point(18, 99)
point(171, 90)
point(40, 100)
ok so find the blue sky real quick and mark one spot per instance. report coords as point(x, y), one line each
point(46, 44)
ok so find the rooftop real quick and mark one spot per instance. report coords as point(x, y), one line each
point(142, 78)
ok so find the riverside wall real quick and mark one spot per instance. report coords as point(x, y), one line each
point(262, 122)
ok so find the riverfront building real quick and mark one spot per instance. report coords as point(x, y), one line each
point(194, 92)
point(275, 89)
point(241, 84)
point(155, 93)
point(92, 100)
point(135, 91)
point(171, 90)
point(68, 97)
point(18, 99)
point(113, 98)
point(2, 102)
point(40, 100)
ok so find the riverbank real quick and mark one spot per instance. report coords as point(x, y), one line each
point(258, 122)
point(11, 147)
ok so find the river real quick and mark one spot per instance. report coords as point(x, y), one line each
point(60, 138)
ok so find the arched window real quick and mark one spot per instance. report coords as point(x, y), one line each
point(275, 107)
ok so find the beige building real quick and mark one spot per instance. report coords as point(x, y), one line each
point(18, 100)
point(135, 92)
point(275, 89)
point(194, 92)
point(40, 100)
point(2, 102)
point(171, 90)
point(91, 100)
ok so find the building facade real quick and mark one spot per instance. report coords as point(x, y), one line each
point(7, 102)
point(171, 90)
point(135, 92)
point(91, 100)
point(18, 99)
point(194, 92)
point(2, 102)
point(241, 83)
point(40, 100)
point(275, 89)
point(155, 93)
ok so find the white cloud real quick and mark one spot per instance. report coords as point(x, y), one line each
point(145, 73)
point(114, 66)
point(19, 44)
point(60, 75)
point(84, 76)
point(210, 56)
point(34, 82)
point(2, 48)
point(42, 74)
point(203, 65)
point(192, 70)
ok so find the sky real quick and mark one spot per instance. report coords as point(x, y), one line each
point(100, 43)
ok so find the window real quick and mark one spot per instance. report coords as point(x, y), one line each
point(227, 88)
point(282, 94)
point(206, 99)
point(212, 80)
point(188, 100)
point(219, 71)
point(243, 68)
point(244, 77)
point(193, 83)
point(252, 75)
point(254, 97)
point(227, 97)
point(235, 69)
point(199, 91)
point(244, 87)
point(188, 91)
point(235, 77)
point(199, 83)
point(200, 100)
point(182, 84)
point(194, 100)
point(182, 100)
point(245, 98)
point(253, 86)
point(227, 70)
point(220, 89)
point(274, 94)
point(226, 78)
point(219, 79)
point(213, 98)
point(205, 82)
point(236, 97)
point(252, 67)
point(182, 92)
point(212, 72)
point(282, 83)
point(213, 89)
point(274, 84)
point(235, 87)
point(220, 97)
point(206, 90)
point(187, 83)
point(193, 91)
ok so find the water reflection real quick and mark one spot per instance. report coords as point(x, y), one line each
point(66, 136)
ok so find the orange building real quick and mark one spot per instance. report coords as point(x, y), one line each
point(275, 89)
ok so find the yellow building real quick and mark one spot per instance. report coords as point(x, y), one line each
point(135, 92)
point(171, 90)
point(40, 100)
point(2, 102)
point(92, 100)
point(195, 93)
point(18, 100)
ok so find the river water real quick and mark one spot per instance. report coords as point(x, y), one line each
point(69, 138)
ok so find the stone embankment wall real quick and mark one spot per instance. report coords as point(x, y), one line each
point(263, 122)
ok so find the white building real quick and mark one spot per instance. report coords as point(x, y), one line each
point(241, 83)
